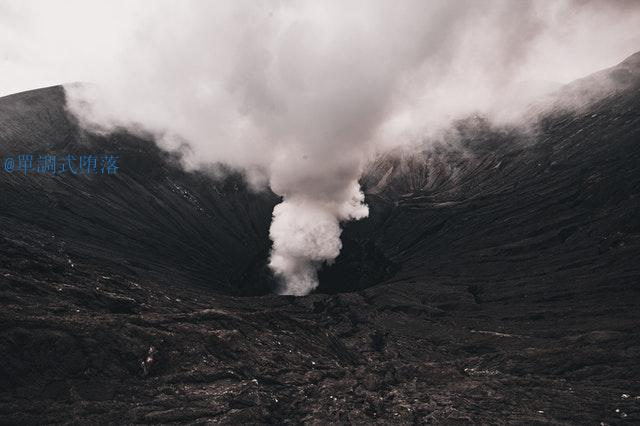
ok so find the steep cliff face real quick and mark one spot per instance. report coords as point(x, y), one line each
point(494, 281)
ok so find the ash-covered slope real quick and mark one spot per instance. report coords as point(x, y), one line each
point(503, 204)
point(150, 215)
point(493, 283)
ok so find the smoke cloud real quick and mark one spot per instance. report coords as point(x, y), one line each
point(299, 94)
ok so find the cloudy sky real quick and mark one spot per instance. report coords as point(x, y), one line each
point(46, 42)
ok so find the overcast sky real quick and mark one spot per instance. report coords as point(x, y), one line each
point(47, 42)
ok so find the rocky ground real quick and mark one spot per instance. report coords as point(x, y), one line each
point(496, 282)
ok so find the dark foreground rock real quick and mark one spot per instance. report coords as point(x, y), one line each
point(493, 284)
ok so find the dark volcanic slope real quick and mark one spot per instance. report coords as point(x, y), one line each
point(505, 284)
point(150, 216)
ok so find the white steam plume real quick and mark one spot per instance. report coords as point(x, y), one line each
point(298, 93)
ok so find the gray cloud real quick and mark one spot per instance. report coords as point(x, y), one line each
point(298, 94)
